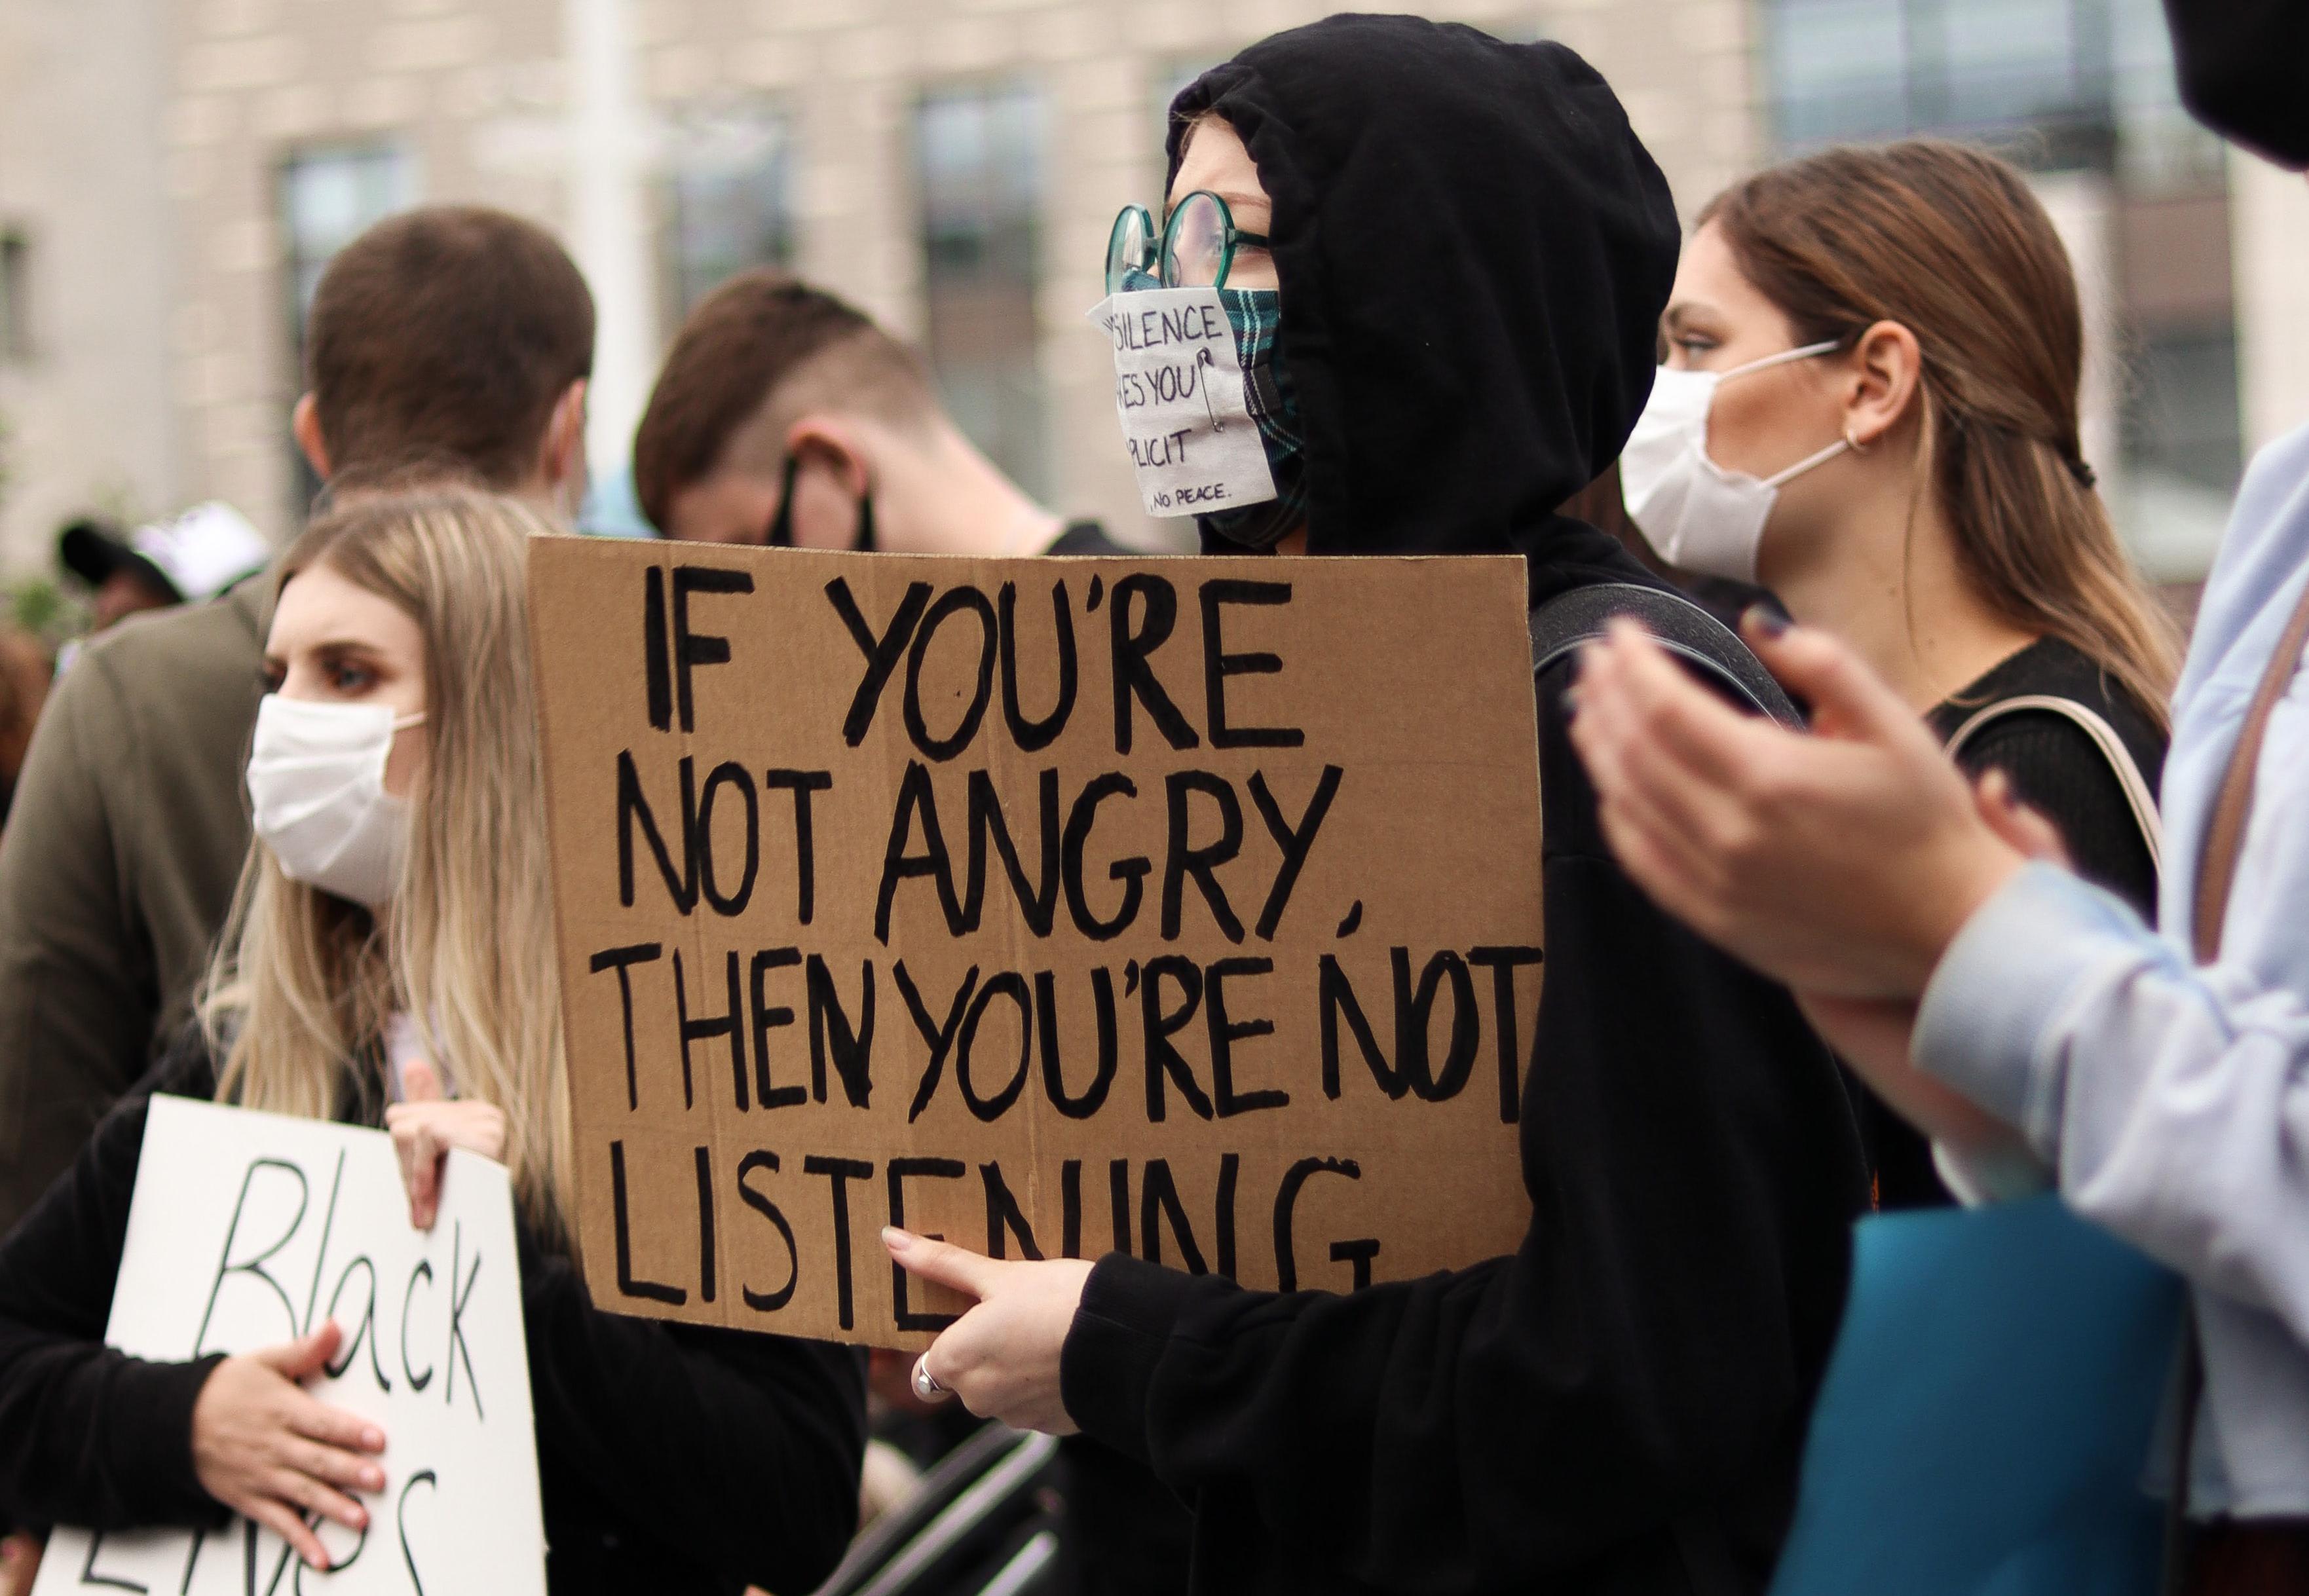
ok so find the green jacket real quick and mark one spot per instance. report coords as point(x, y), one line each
point(117, 869)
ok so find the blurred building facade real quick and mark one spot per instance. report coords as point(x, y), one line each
point(174, 175)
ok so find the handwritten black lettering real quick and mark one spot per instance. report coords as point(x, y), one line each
point(1218, 665)
point(1133, 653)
point(622, 960)
point(882, 652)
point(1295, 842)
point(802, 784)
point(900, 1169)
point(253, 1265)
point(1033, 736)
point(1011, 985)
point(1286, 1203)
point(1004, 1217)
point(706, 1027)
point(1183, 858)
point(1503, 963)
point(952, 601)
point(1130, 871)
point(1159, 1027)
point(938, 1037)
point(1046, 1016)
point(839, 1173)
point(764, 1017)
point(832, 1035)
point(692, 649)
point(768, 1302)
point(628, 1283)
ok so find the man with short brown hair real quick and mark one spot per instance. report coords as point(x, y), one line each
point(457, 334)
point(444, 340)
point(786, 416)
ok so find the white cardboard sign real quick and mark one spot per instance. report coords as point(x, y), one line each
point(1179, 389)
point(247, 1230)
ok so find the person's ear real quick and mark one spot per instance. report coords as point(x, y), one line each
point(561, 453)
point(1885, 369)
point(304, 424)
point(837, 445)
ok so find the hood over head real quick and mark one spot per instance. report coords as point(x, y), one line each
point(2240, 64)
point(1473, 250)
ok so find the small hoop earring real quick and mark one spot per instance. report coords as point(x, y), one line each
point(1855, 444)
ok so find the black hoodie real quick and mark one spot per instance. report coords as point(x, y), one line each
point(1473, 250)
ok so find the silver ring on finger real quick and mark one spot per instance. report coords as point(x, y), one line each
point(925, 1385)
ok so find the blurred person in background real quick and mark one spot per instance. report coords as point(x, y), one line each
point(24, 681)
point(1446, 351)
point(457, 336)
point(784, 416)
point(391, 943)
point(1869, 406)
point(2030, 1023)
point(188, 560)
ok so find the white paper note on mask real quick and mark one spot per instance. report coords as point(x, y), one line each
point(1179, 389)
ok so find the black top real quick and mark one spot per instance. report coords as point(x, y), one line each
point(2061, 774)
point(1085, 537)
point(2240, 63)
point(1474, 251)
point(670, 1457)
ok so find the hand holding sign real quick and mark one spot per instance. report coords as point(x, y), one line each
point(426, 1124)
point(1001, 1358)
point(264, 1447)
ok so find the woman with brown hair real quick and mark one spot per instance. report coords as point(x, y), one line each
point(1869, 406)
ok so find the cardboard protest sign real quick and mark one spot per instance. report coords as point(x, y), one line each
point(1188, 908)
point(1184, 404)
point(250, 1230)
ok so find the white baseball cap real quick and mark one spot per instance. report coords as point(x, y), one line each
point(197, 555)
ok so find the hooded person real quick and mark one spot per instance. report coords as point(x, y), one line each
point(1469, 251)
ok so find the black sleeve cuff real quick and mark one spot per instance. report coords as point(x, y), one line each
point(151, 1405)
point(1107, 1365)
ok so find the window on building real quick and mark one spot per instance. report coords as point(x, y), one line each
point(327, 196)
point(2181, 407)
point(1873, 69)
point(979, 156)
point(729, 202)
point(15, 296)
point(2083, 86)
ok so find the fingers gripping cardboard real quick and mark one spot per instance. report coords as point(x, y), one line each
point(1188, 908)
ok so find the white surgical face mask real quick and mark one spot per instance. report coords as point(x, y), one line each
point(1692, 512)
point(316, 780)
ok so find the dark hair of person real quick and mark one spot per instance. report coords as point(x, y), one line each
point(1949, 243)
point(446, 332)
point(761, 336)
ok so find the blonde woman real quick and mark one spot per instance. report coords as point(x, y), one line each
point(388, 962)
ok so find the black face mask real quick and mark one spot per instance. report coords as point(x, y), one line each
point(780, 532)
point(2244, 66)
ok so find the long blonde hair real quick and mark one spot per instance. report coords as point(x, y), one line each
point(302, 983)
point(1949, 242)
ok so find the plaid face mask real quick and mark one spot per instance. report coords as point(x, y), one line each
point(1273, 405)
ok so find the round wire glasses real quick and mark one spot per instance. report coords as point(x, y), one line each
point(1195, 250)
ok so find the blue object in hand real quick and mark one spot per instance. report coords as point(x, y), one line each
point(1986, 1423)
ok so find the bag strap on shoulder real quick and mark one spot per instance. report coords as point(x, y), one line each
point(1570, 620)
point(2138, 797)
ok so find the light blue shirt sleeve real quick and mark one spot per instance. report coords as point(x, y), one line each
point(2173, 1100)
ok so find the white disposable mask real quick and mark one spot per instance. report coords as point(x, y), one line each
point(316, 781)
point(1694, 513)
